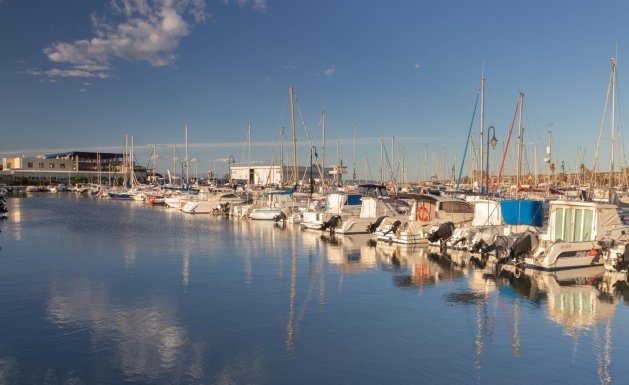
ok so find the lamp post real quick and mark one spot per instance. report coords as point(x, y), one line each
point(493, 141)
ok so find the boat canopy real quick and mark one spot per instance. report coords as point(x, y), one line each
point(522, 212)
point(487, 213)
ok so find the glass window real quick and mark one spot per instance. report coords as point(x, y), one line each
point(62, 165)
point(588, 220)
point(567, 225)
point(578, 225)
point(52, 165)
point(30, 164)
point(559, 213)
point(41, 165)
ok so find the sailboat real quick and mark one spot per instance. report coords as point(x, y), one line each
point(274, 205)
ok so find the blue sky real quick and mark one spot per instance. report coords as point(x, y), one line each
point(79, 74)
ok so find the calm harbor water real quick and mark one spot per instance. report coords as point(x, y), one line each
point(98, 292)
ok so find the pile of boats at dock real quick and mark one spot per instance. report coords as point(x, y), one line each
point(542, 234)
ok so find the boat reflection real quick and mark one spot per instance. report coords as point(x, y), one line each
point(419, 266)
point(581, 301)
point(350, 253)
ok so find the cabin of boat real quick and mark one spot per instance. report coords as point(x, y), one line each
point(574, 231)
point(429, 212)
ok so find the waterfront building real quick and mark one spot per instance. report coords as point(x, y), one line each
point(66, 167)
point(274, 175)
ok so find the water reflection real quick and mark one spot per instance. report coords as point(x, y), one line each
point(254, 302)
point(147, 339)
point(418, 266)
point(582, 302)
point(350, 253)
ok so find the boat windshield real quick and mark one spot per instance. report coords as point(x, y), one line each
point(372, 191)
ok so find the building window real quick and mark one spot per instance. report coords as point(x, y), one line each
point(62, 165)
point(8, 166)
point(41, 165)
point(30, 164)
point(52, 165)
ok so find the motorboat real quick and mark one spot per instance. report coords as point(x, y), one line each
point(576, 237)
point(434, 217)
point(212, 203)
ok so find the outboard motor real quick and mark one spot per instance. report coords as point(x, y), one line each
point(371, 228)
point(501, 245)
point(332, 223)
point(523, 245)
point(443, 232)
point(615, 255)
point(464, 235)
point(280, 217)
point(623, 260)
point(393, 228)
point(3, 207)
point(484, 239)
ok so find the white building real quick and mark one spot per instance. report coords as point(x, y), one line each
point(265, 174)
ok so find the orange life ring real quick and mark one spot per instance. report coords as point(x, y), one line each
point(422, 214)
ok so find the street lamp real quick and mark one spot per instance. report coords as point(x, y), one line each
point(493, 141)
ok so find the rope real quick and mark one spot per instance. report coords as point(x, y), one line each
point(600, 133)
point(469, 133)
point(504, 155)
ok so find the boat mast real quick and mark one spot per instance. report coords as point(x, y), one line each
point(613, 122)
point(282, 157)
point(354, 173)
point(520, 139)
point(125, 160)
point(381, 160)
point(292, 122)
point(249, 146)
point(186, 137)
point(482, 122)
point(323, 118)
point(132, 164)
point(154, 160)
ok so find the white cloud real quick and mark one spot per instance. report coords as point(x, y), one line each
point(417, 66)
point(259, 5)
point(256, 5)
point(329, 71)
point(76, 73)
point(136, 30)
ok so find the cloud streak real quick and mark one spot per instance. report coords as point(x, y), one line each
point(135, 30)
point(256, 5)
point(223, 145)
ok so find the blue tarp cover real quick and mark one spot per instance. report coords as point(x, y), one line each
point(286, 192)
point(522, 212)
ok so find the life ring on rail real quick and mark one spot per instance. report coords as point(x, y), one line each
point(422, 214)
